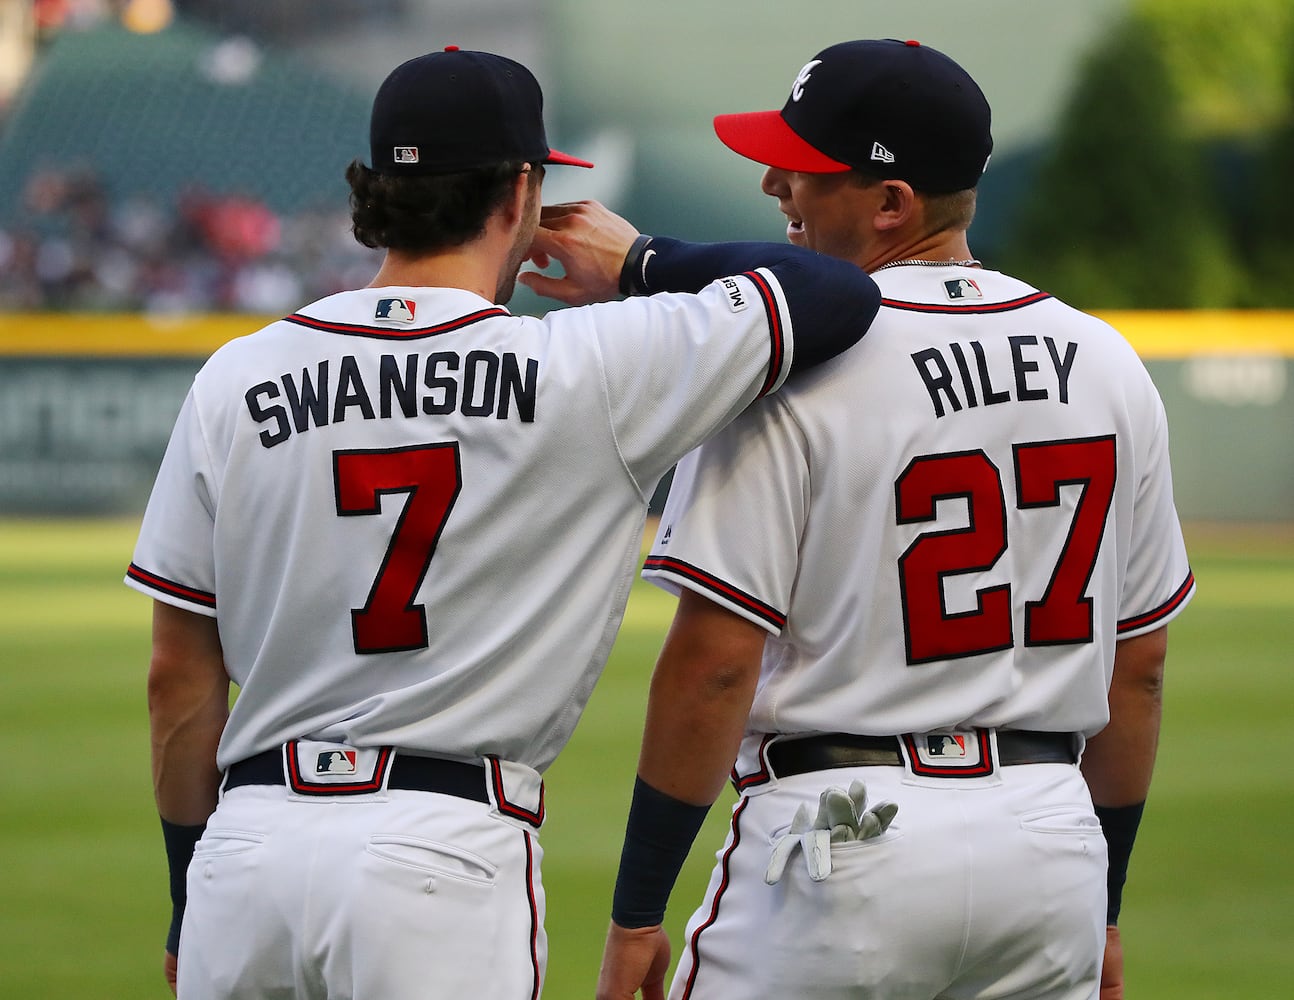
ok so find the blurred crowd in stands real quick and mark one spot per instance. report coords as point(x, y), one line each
point(72, 246)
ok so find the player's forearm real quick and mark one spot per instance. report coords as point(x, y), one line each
point(1119, 760)
point(700, 699)
point(832, 302)
point(701, 692)
point(696, 715)
point(188, 705)
point(184, 741)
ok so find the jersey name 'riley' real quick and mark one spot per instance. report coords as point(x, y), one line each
point(971, 378)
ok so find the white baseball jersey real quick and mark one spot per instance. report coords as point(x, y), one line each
point(949, 525)
point(416, 517)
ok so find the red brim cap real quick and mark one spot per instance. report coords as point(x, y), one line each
point(565, 159)
point(764, 136)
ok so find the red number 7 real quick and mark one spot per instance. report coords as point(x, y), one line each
point(430, 477)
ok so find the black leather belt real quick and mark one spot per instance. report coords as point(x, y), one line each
point(820, 753)
point(417, 774)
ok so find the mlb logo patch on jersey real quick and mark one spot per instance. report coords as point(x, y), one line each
point(395, 310)
point(405, 154)
point(962, 288)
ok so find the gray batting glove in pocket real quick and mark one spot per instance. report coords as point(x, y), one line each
point(843, 816)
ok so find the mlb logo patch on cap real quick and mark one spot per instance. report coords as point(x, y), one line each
point(405, 154)
point(395, 310)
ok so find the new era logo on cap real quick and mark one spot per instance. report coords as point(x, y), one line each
point(880, 154)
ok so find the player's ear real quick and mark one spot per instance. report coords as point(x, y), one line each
point(897, 205)
point(522, 185)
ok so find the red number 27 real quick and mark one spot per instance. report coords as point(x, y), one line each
point(1063, 614)
point(430, 477)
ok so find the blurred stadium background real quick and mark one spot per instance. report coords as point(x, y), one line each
point(171, 174)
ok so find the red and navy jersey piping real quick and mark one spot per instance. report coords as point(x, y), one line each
point(721, 588)
point(171, 587)
point(973, 309)
point(761, 777)
point(725, 864)
point(535, 819)
point(385, 333)
point(533, 903)
point(776, 332)
point(1163, 611)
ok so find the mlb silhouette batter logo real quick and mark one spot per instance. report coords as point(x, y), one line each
point(336, 762)
point(396, 310)
point(962, 288)
point(946, 746)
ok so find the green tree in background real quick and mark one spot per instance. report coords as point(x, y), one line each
point(1268, 240)
point(1122, 214)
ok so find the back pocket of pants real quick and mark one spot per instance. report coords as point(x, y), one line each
point(432, 857)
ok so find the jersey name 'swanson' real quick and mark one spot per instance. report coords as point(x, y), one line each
point(478, 384)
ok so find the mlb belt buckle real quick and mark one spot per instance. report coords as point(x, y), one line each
point(958, 753)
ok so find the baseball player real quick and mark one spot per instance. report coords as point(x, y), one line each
point(916, 590)
point(404, 522)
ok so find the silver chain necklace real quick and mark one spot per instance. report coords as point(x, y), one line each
point(929, 263)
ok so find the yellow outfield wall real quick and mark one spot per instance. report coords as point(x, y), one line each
point(1155, 335)
point(87, 403)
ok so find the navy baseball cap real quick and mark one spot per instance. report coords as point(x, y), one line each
point(884, 107)
point(449, 111)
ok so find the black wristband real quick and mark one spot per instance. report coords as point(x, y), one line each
point(631, 276)
point(658, 836)
point(180, 843)
point(1119, 824)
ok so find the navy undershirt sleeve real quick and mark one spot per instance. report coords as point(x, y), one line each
point(832, 302)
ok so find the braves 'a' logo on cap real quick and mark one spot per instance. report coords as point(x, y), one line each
point(797, 89)
point(396, 310)
point(405, 154)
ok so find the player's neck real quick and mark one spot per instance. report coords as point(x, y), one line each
point(469, 267)
point(945, 246)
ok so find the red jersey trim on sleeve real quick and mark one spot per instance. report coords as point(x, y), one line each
point(729, 593)
point(170, 587)
point(1165, 610)
point(777, 333)
point(968, 310)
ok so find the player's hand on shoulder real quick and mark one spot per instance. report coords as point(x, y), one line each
point(634, 959)
point(590, 243)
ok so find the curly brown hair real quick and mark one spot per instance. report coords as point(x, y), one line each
point(425, 214)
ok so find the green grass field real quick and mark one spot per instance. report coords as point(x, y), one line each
point(1209, 912)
